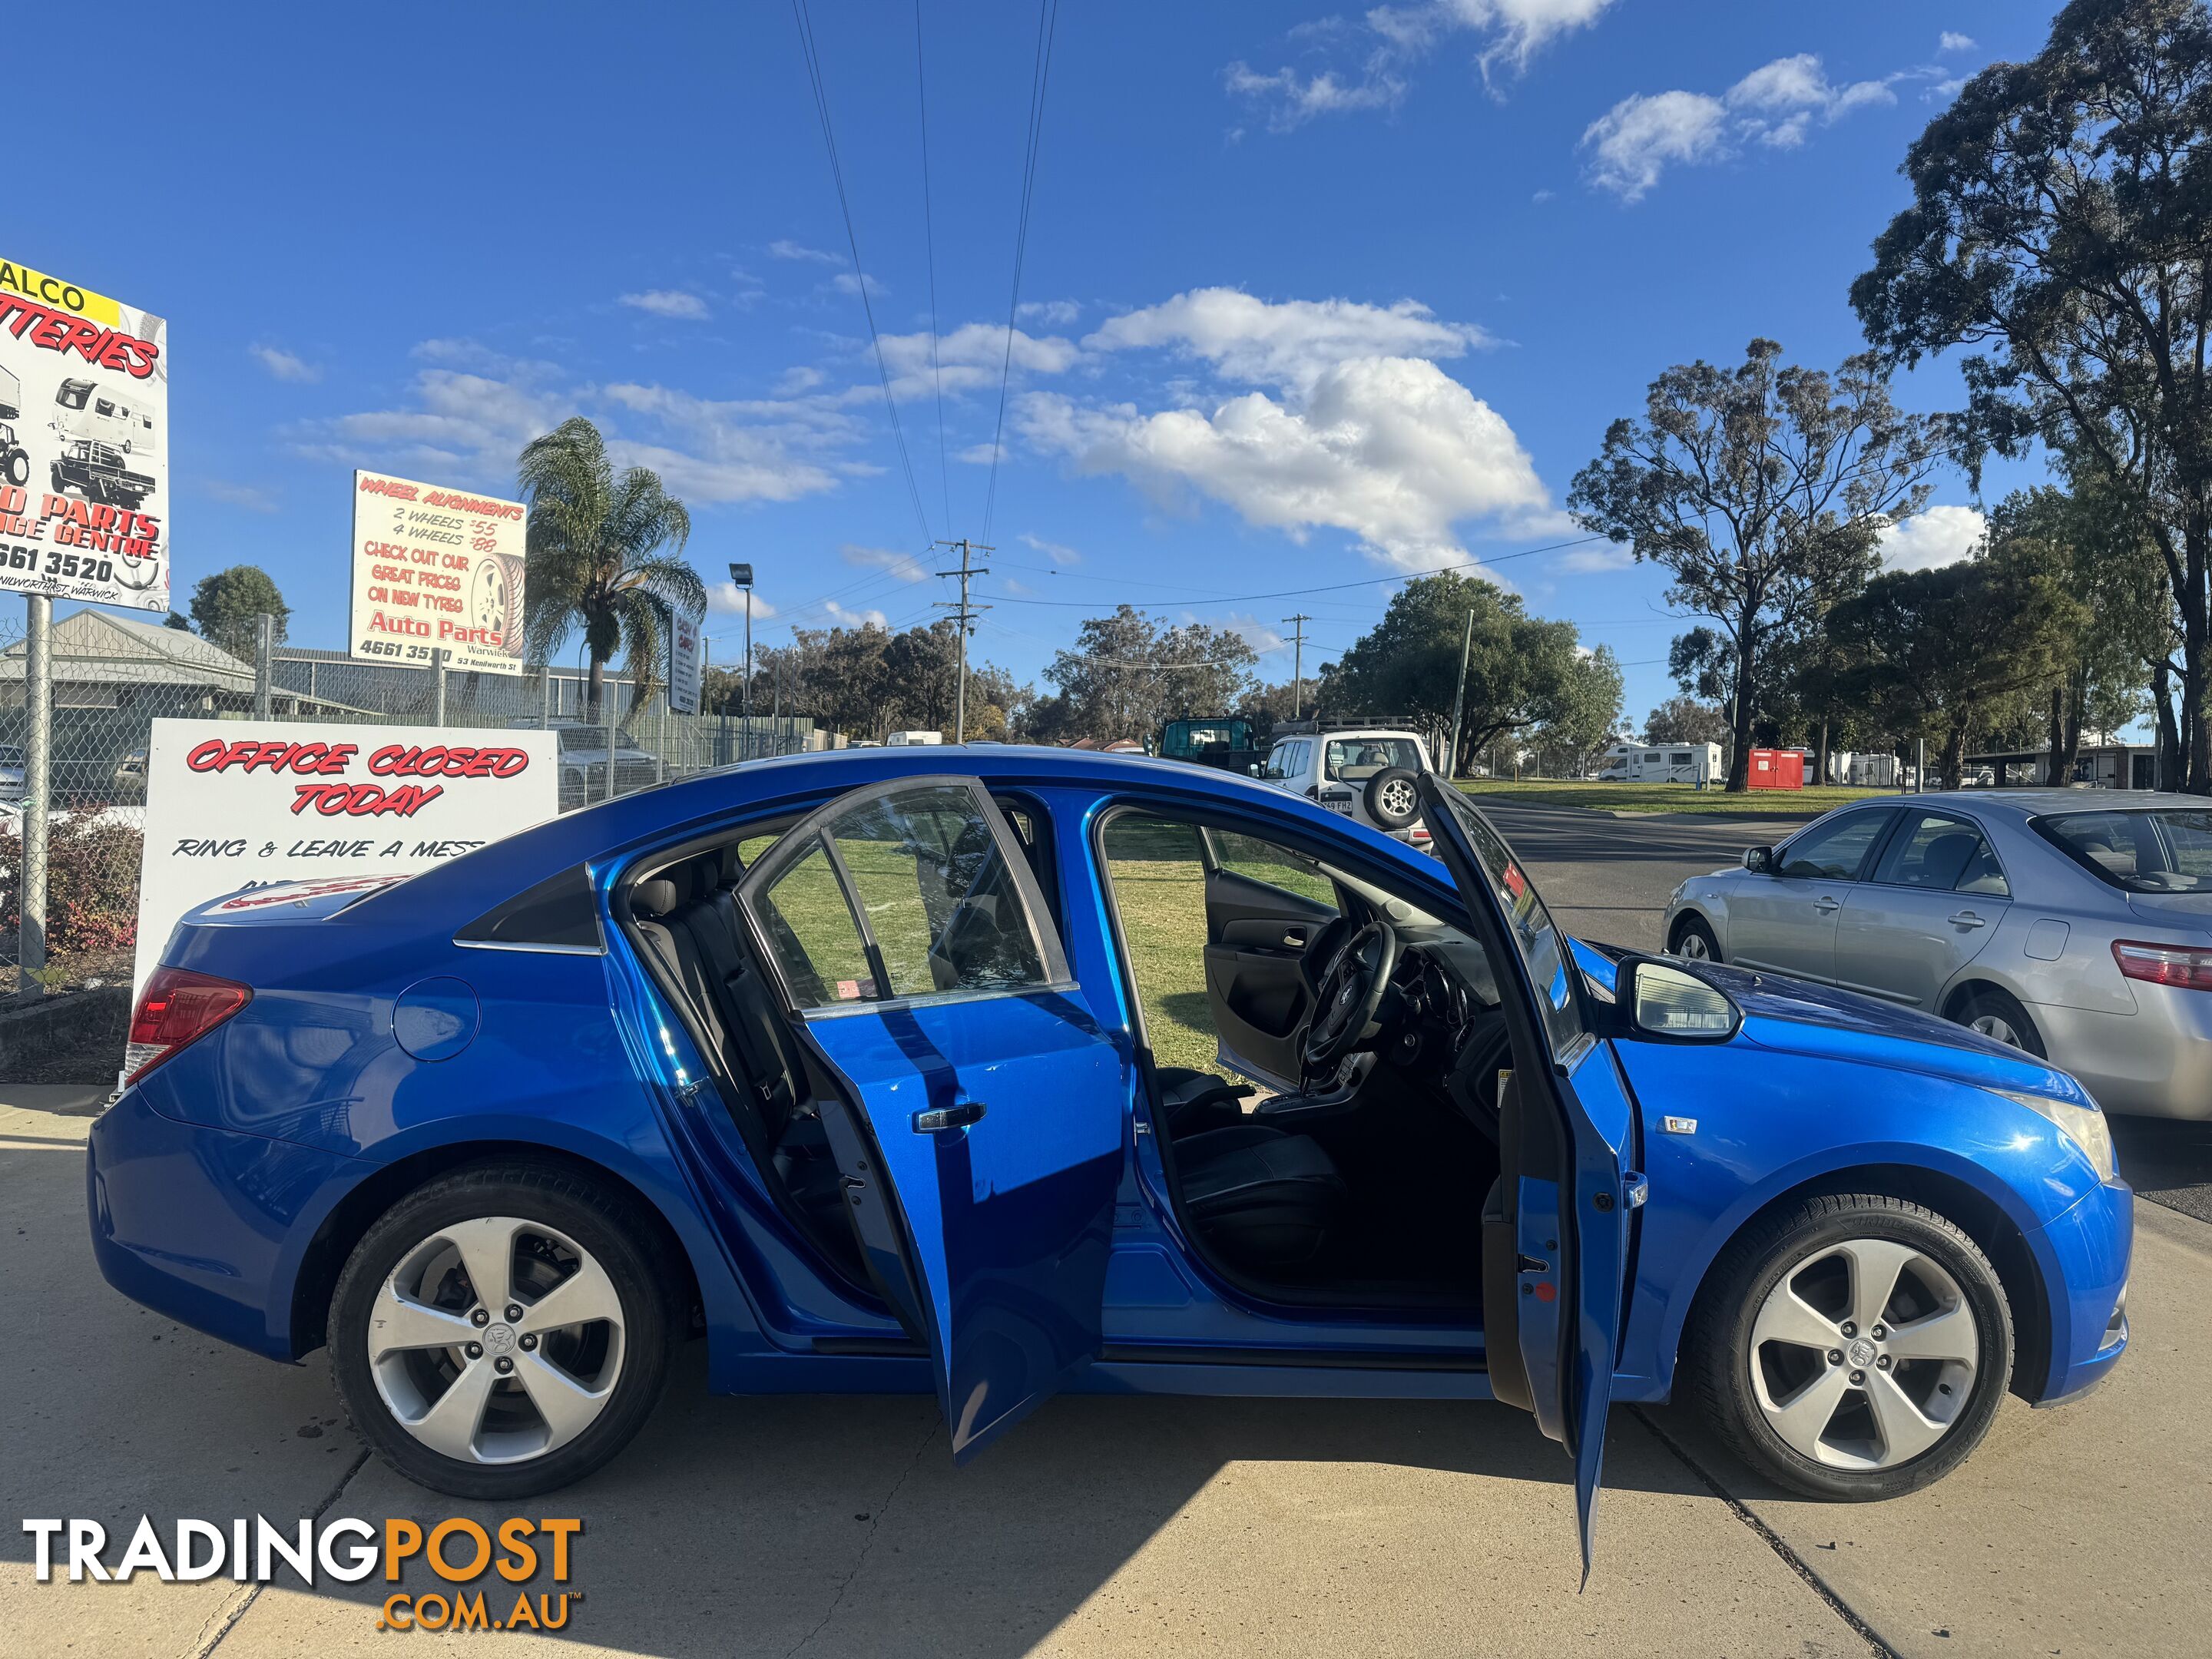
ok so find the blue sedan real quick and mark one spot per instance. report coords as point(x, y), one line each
point(850, 1065)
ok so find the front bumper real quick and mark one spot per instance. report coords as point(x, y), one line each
point(2085, 1254)
point(207, 1226)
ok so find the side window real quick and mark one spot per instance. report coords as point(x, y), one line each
point(1984, 874)
point(1277, 866)
point(811, 931)
point(1278, 761)
point(1933, 850)
point(1834, 851)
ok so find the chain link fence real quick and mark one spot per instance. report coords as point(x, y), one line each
point(113, 675)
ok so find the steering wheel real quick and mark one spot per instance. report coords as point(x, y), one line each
point(1351, 990)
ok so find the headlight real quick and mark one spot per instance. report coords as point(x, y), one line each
point(2084, 1125)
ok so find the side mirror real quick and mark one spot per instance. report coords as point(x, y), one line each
point(1759, 860)
point(1671, 1004)
point(1256, 769)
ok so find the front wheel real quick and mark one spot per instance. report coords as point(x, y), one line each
point(1856, 1346)
point(1693, 941)
point(503, 1330)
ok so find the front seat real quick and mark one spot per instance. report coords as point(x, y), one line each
point(1266, 1199)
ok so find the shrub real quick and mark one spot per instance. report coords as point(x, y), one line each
point(92, 885)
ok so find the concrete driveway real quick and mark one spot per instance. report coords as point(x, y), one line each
point(1113, 1526)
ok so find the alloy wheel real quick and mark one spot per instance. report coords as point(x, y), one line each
point(1997, 1026)
point(1864, 1353)
point(496, 1340)
point(1691, 947)
point(1398, 799)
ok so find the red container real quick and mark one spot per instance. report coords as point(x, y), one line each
point(1777, 768)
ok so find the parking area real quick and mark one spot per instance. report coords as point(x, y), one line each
point(838, 1526)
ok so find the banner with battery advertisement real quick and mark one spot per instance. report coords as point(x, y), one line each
point(251, 810)
point(436, 570)
point(84, 416)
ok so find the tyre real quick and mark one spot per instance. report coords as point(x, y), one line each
point(1856, 1346)
point(504, 1330)
point(1995, 1013)
point(1693, 941)
point(16, 469)
point(1392, 797)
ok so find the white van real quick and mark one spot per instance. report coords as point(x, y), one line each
point(905, 739)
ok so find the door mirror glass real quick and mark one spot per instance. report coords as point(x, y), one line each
point(1759, 860)
point(1667, 1002)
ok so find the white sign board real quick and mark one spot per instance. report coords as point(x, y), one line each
point(687, 665)
point(84, 442)
point(232, 804)
point(436, 570)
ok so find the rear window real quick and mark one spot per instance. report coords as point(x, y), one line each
point(2165, 850)
point(1355, 760)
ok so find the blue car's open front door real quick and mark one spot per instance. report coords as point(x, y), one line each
point(1555, 1230)
point(973, 1107)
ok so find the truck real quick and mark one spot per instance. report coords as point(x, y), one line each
point(14, 459)
point(1225, 741)
point(104, 435)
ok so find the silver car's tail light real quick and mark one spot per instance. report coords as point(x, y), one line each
point(2164, 964)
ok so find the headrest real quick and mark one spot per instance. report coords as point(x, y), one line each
point(653, 898)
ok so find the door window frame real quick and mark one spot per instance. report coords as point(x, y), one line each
point(1867, 860)
point(1889, 838)
point(794, 844)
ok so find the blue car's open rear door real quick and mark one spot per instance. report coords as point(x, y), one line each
point(1554, 1237)
point(975, 1109)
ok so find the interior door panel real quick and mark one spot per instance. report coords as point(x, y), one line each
point(1256, 936)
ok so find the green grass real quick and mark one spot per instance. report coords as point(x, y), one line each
point(1159, 887)
point(1666, 797)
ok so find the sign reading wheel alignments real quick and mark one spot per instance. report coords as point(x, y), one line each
point(436, 570)
point(84, 417)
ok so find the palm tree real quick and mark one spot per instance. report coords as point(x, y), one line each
point(604, 554)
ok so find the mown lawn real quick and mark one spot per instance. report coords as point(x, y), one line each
point(1665, 797)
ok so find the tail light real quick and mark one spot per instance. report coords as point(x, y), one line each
point(2165, 965)
point(176, 1007)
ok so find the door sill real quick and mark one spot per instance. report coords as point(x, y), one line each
point(1396, 1359)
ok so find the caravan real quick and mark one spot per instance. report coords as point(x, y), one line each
point(1664, 762)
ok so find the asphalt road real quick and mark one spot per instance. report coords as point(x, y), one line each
point(838, 1526)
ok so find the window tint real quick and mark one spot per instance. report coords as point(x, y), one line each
point(1833, 851)
point(1934, 850)
point(1983, 875)
point(1278, 866)
point(1355, 760)
point(811, 931)
point(2146, 851)
point(940, 897)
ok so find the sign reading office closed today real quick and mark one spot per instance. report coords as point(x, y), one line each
point(235, 804)
point(436, 570)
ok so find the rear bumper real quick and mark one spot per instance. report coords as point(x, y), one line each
point(2090, 1246)
point(207, 1226)
point(2155, 1062)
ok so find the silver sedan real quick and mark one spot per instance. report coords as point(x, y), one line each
point(2077, 926)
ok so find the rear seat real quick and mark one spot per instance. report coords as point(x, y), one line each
point(689, 916)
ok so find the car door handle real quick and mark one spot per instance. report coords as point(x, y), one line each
point(948, 1117)
point(1293, 939)
point(1967, 918)
point(1827, 906)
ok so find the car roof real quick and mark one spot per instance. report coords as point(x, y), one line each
point(2038, 803)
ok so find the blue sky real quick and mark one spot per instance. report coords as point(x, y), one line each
point(1310, 297)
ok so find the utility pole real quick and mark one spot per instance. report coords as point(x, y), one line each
point(1459, 699)
point(1297, 662)
point(965, 614)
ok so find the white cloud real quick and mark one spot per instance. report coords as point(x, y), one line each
point(668, 302)
point(1775, 105)
point(1053, 550)
point(1951, 40)
point(1595, 558)
point(850, 617)
point(726, 595)
point(907, 566)
point(284, 366)
point(1932, 536)
point(252, 497)
point(1390, 41)
point(1053, 314)
point(754, 450)
point(1290, 342)
point(970, 358)
point(784, 248)
point(1391, 449)
point(845, 282)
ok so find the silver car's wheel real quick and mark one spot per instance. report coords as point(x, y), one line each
point(496, 1339)
point(504, 1329)
point(1995, 1025)
point(1691, 947)
point(1864, 1354)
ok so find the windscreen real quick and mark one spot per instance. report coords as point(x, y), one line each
point(2167, 850)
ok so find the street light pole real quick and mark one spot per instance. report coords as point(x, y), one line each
point(741, 575)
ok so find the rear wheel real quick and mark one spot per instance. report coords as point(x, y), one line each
point(1995, 1014)
point(503, 1330)
point(1855, 1346)
point(1693, 941)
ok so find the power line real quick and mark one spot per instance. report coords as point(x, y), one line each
point(1040, 75)
point(929, 244)
point(1333, 587)
point(860, 275)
